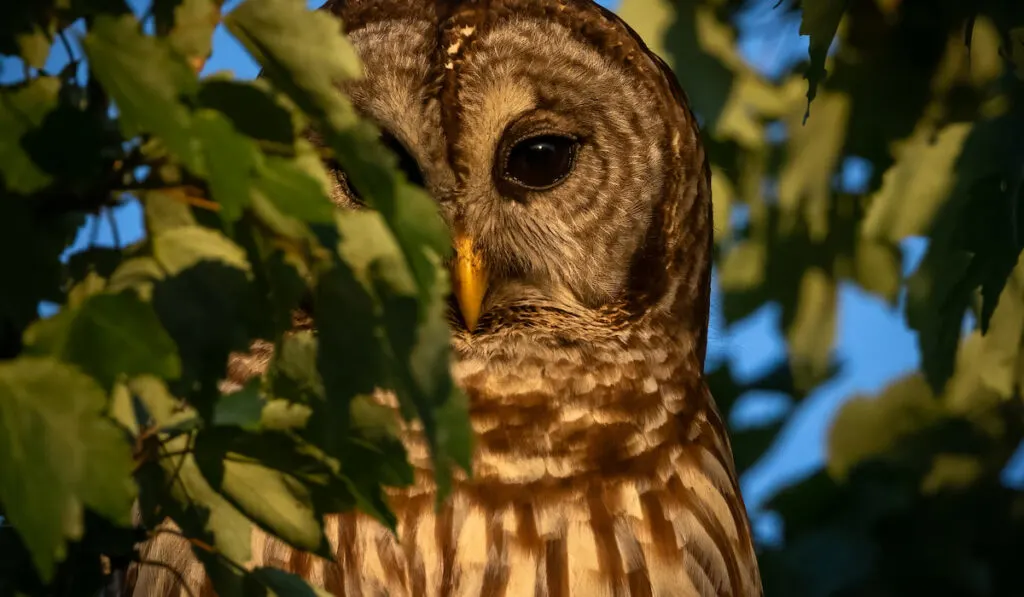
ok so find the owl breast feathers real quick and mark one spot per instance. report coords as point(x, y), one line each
point(564, 158)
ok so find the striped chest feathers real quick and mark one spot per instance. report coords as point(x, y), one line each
point(612, 482)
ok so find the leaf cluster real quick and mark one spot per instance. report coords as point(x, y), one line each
point(134, 391)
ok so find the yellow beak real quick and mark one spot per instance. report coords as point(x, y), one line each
point(469, 280)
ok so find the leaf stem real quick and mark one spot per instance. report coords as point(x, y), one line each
point(177, 573)
point(113, 227)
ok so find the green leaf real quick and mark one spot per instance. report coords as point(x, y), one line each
point(284, 415)
point(188, 25)
point(99, 260)
point(253, 110)
point(230, 159)
point(147, 80)
point(108, 336)
point(293, 373)
point(877, 268)
point(294, 192)
point(813, 154)
point(174, 486)
point(122, 409)
point(31, 243)
point(205, 303)
point(242, 408)
point(79, 293)
point(348, 333)
point(820, 23)
point(139, 274)
point(455, 437)
point(280, 275)
point(916, 186)
point(904, 407)
point(156, 406)
point(166, 210)
point(187, 246)
point(274, 500)
point(26, 29)
point(1016, 50)
point(59, 454)
point(22, 110)
point(952, 472)
point(811, 332)
point(375, 427)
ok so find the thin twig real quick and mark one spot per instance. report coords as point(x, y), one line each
point(203, 546)
point(197, 202)
point(177, 573)
point(94, 232)
point(67, 48)
point(179, 466)
point(113, 227)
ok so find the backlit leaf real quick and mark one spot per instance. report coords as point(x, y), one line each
point(21, 110)
point(230, 161)
point(147, 80)
point(58, 454)
point(188, 25)
point(108, 336)
point(274, 500)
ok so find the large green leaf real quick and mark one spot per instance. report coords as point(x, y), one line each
point(108, 336)
point(905, 407)
point(31, 243)
point(811, 332)
point(205, 302)
point(147, 80)
point(59, 454)
point(254, 110)
point(230, 161)
point(22, 109)
point(174, 486)
point(188, 25)
point(915, 187)
point(275, 500)
point(26, 29)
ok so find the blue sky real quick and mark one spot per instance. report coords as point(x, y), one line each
point(873, 342)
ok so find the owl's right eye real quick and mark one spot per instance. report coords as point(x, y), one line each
point(406, 162)
point(539, 163)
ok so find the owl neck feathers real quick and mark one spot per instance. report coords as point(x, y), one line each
point(550, 412)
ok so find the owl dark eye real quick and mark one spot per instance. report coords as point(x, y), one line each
point(406, 162)
point(541, 162)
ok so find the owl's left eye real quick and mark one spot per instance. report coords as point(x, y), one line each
point(539, 163)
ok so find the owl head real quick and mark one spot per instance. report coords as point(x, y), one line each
point(562, 155)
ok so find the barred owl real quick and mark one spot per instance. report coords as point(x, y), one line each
point(565, 160)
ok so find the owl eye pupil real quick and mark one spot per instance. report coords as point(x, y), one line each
point(539, 163)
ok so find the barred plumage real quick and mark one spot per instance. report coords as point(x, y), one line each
point(602, 466)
